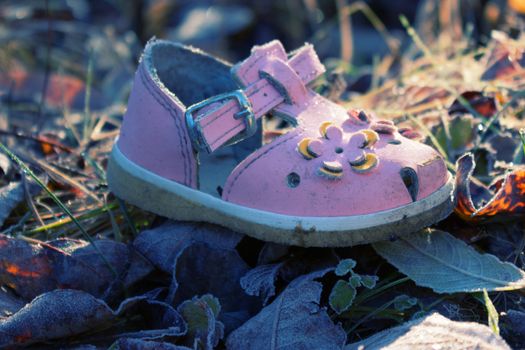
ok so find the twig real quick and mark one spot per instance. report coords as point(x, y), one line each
point(345, 32)
point(36, 138)
point(87, 101)
point(30, 202)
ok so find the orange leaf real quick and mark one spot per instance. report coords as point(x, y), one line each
point(507, 203)
point(517, 5)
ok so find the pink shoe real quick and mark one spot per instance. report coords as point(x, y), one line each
point(339, 178)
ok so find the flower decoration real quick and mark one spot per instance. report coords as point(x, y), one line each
point(410, 133)
point(355, 149)
point(382, 126)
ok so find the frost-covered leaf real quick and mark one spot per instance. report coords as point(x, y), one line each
point(162, 245)
point(513, 328)
point(34, 268)
point(82, 347)
point(139, 267)
point(431, 331)
point(84, 268)
point(437, 260)
point(10, 196)
point(141, 344)
point(404, 302)
point(369, 281)
point(475, 101)
point(345, 266)
point(201, 269)
point(65, 313)
point(202, 259)
point(158, 320)
point(260, 281)
point(9, 303)
point(504, 145)
point(505, 56)
point(507, 203)
point(342, 296)
point(294, 320)
point(54, 315)
point(200, 313)
point(13, 194)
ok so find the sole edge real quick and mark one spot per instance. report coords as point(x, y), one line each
point(167, 198)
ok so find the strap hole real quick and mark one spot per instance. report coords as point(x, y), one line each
point(293, 180)
point(338, 150)
point(409, 177)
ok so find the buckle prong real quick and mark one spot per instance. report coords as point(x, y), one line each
point(246, 113)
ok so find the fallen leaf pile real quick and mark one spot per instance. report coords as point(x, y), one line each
point(81, 269)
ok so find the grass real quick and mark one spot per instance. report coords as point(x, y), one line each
point(59, 203)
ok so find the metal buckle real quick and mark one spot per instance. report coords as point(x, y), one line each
point(246, 113)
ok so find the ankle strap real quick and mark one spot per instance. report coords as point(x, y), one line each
point(269, 79)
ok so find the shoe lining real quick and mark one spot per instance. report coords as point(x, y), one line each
point(192, 76)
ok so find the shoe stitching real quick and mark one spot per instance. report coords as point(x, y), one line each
point(232, 107)
point(257, 59)
point(182, 136)
point(250, 67)
point(262, 87)
point(236, 126)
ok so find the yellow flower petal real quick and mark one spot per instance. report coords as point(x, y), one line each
point(330, 174)
point(371, 137)
point(371, 161)
point(303, 148)
point(323, 127)
point(359, 161)
point(331, 170)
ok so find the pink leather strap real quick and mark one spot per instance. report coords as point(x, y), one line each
point(269, 80)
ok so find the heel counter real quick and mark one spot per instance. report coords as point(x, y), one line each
point(153, 133)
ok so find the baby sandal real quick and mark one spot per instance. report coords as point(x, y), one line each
point(337, 178)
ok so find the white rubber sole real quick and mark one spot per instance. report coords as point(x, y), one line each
point(161, 196)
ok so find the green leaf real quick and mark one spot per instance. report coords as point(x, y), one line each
point(355, 281)
point(345, 266)
point(437, 260)
point(342, 296)
point(213, 303)
point(369, 281)
point(194, 312)
point(462, 133)
point(200, 313)
point(493, 317)
point(404, 302)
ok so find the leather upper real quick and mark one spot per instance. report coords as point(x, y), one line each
point(333, 163)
